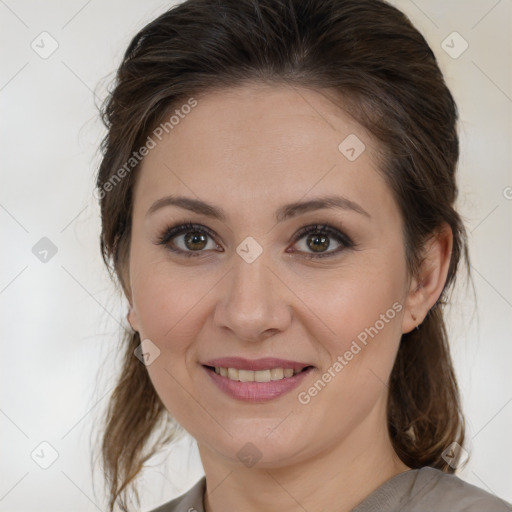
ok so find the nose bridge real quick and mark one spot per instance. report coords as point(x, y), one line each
point(253, 306)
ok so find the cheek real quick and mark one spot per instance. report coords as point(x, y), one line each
point(166, 297)
point(357, 297)
point(367, 336)
point(167, 301)
point(363, 308)
point(364, 312)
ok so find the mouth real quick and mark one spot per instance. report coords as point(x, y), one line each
point(267, 375)
point(257, 380)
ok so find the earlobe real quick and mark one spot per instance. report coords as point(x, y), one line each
point(132, 319)
point(410, 321)
point(428, 285)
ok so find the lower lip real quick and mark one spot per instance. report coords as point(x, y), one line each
point(257, 391)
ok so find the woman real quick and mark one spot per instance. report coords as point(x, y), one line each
point(277, 195)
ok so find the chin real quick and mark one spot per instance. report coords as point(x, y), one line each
point(260, 447)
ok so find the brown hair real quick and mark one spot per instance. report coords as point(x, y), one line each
point(382, 67)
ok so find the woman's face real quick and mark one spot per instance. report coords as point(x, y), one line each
point(252, 283)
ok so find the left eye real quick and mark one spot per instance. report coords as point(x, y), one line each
point(317, 238)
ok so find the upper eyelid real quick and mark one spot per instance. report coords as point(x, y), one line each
point(182, 228)
point(326, 227)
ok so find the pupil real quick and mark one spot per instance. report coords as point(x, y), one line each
point(320, 242)
point(192, 239)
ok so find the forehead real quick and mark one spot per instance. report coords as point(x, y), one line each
point(262, 143)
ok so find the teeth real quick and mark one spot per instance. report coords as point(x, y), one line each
point(256, 376)
point(276, 374)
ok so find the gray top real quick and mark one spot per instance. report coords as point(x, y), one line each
point(416, 490)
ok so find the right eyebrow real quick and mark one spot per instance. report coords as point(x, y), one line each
point(188, 203)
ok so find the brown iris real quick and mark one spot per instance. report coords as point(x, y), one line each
point(195, 241)
point(319, 242)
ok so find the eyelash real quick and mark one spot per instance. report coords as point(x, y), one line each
point(319, 229)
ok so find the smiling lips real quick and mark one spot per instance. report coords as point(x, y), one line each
point(257, 380)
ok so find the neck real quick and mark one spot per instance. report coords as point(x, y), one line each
point(343, 474)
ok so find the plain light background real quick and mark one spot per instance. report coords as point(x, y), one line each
point(60, 319)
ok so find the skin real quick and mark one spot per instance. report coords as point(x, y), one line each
point(250, 150)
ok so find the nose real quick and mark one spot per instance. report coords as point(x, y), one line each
point(253, 305)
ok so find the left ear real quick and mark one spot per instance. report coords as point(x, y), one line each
point(427, 286)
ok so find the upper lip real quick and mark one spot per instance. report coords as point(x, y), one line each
point(265, 363)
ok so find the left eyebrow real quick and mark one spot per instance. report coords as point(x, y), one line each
point(328, 202)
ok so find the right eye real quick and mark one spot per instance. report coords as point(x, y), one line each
point(192, 240)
